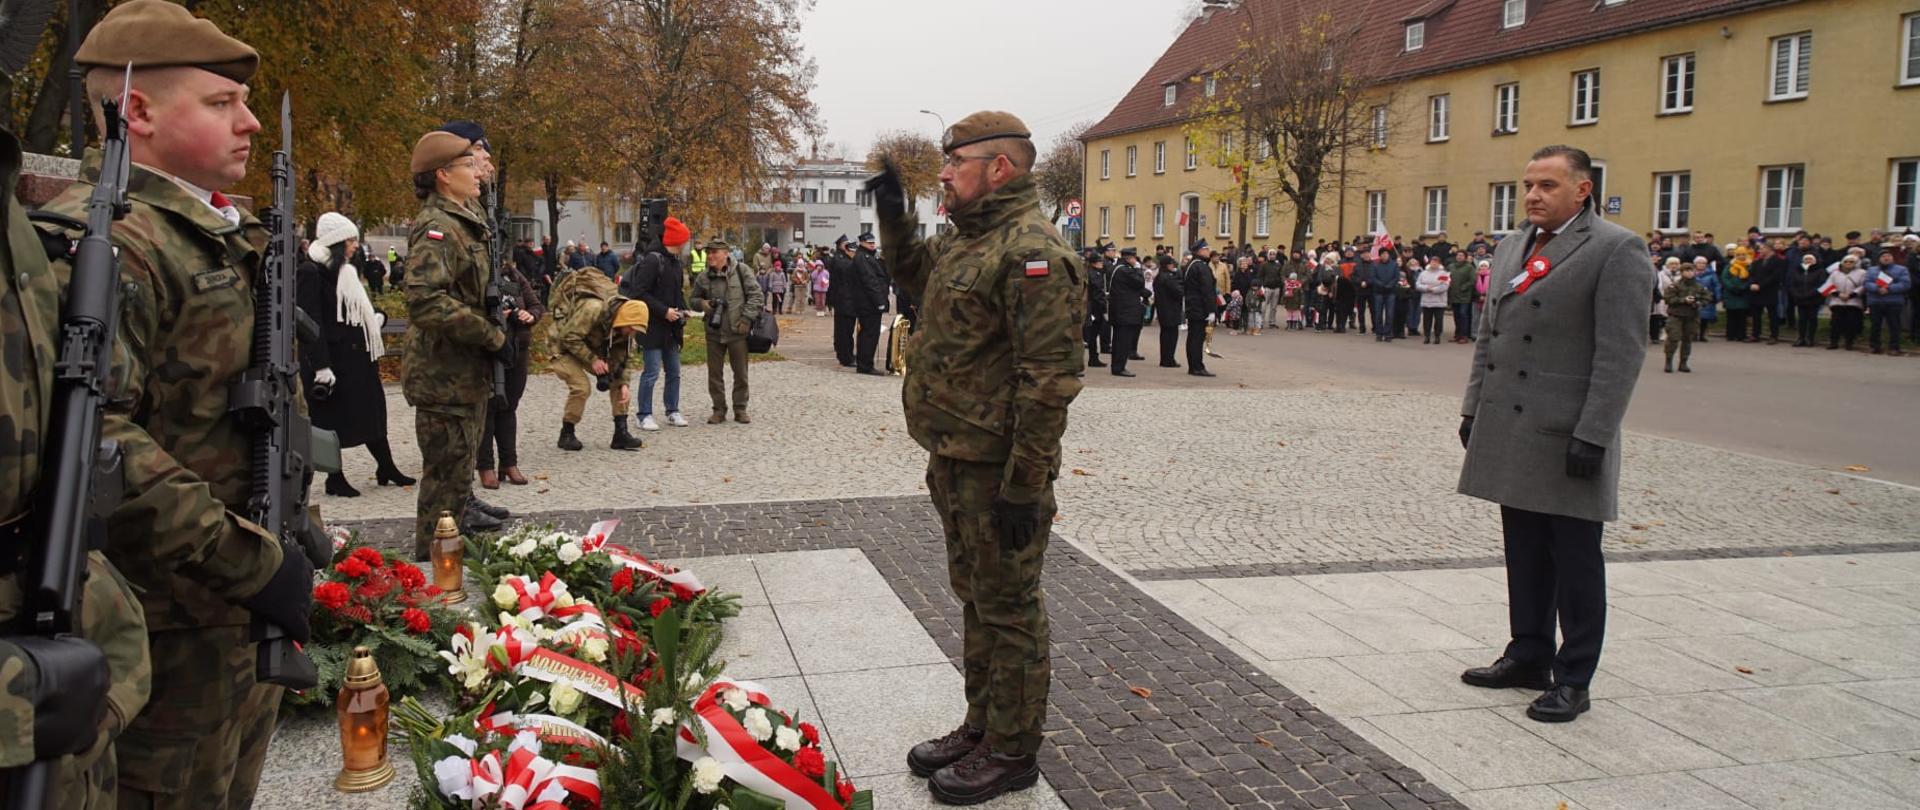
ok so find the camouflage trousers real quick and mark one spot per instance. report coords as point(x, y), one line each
point(449, 437)
point(112, 618)
point(1003, 612)
point(202, 741)
point(580, 384)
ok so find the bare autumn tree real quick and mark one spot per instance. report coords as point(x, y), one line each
point(915, 156)
point(1061, 172)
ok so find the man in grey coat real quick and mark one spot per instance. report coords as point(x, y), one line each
point(1559, 350)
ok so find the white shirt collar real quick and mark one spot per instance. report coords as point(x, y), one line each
point(1564, 225)
point(228, 213)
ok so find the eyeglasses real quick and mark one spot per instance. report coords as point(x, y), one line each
point(464, 164)
point(957, 159)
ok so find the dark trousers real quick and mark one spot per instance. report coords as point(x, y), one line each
point(1888, 316)
point(868, 342)
point(1736, 324)
point(1555, 572)
point(1362, 307)
point(1382, 307)
point(1097, 334)
point(1808, 321)
point(1463, 321)
point(501, 427)
point(1405, 320)
point(1126, 341)
point(1772, 309)
point(1169, 338)
point(843, 337)
point(1342, 317)
point(1432, 322)
point(1846, 326)
point(1196, 344)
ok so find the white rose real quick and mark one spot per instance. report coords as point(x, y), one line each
point(758, 724)
point(707, 775)
point(564, 699)
point(571, 553)
point(695, 682)
point(661, 719)
point(594, 650)
point(786, 739)
point(734, 697)
point(505, 596)
point(554, 539)
point(521, 551)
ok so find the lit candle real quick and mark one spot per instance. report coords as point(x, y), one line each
point(362, 713)
point(449, 559)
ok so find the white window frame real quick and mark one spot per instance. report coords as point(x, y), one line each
point(1380, 126)
point(1169, 95)
point(1226, 219)
point(1787, 217)
point(1262, 216)
point(1912, 220)
point(1797, 78)
point(1910, 50)
point(1106, 164)
point(1193, 154)
point(1677, 77)
point(1106, 221)
point(1416, 35)
point(837, 195)
point(1159, 220)
point(1436, 215)
point(1130, 213)
point(1506, 108)
point(1212, 86)
point(1226, 149)
point(1672, 202)
point(1266, 150)
point(1513, 14)
point(1376, 213)
point(1440, 118)
point(1159, 157)
point(1133, 161)
point(1586, 98)
point(1503, 208)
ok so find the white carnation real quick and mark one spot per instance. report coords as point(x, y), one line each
point(707, 775)
point(570, 553)
point(661, 719)
point(525, 548)
point(554, 539)
point(786, 739)
point(758, 724)
point(734, 697)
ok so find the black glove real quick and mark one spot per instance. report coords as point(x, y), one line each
point(1466, 430)
point(1583, 459)
point(287, 598)
point(507, 353)
point(889, 199)
point(69, 694)
point(1016, 523)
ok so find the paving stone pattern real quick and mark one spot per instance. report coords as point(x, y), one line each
point(1213, 732)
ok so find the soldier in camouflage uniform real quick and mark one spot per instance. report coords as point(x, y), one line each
point(81, 733)
point(594, 328)
point(447, 373)
point(991, 372)
point(189, 259)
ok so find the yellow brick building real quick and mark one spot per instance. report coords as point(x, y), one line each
point(1711, 115)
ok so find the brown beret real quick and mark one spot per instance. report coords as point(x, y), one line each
point(984, 126)
point(718, 244)
point(159, 33)
point(436, 149)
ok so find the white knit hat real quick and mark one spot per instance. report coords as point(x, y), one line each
point(331, 230)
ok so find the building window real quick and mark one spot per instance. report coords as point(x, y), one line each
point(1261, 215)
point(1266, 149)
point(1159, 157)
point(1904, 208)
point(1226, 148)
point(866, 227)
point(1376, 212)
point(1515, 14)
point(1792, 67)
point(1439, 118)
point(1133, 160)
point(1910, 49)
point(1106, 163)
point(1672, 201)
point(1506, 109)
point(1380, 127)
point(1129, 222)
point(1193, 156)
point(1212, 85)
point(1226, 218)
point(1168, 95)
point(1676, 84)
point(1106, 221)
point(863, 198)
point(1505, 195)
point(1586, 97)
point(1416, 35)
point(622, 233)
point(1159, 220)
point(1436, 210)
point(1782, 191)
point(836, 195)
point(809, 195)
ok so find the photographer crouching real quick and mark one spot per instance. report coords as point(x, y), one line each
point(593, 328)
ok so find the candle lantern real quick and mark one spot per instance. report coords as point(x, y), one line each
point(449, 559)
point(362, 711)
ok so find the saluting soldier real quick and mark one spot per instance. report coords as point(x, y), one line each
point(189, 259)
point(992, 370)
point(447, 372)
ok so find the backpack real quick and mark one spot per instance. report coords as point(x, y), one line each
point(575, 288)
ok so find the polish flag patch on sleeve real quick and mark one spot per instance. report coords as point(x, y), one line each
point(1039, 268)
point(436, 236)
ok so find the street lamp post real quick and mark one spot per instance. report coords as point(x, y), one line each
point(936, 117)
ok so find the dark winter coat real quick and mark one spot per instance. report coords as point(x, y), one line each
point(357, 408)
point(657, 280)
point(1127, 295)
point(1198, 288)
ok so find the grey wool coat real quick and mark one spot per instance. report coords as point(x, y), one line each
point(1558, 361)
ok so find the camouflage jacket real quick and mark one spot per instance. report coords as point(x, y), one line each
point(186, 332)
point(730, 298)
point(110, 616)
point(449, 336)
point(992, 367)
point(584, 305)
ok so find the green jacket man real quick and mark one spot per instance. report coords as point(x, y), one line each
point(729, 297)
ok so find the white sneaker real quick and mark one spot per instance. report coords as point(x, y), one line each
point(647, 423)
point(675, 419)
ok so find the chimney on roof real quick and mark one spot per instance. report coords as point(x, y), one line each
point(1208, 7)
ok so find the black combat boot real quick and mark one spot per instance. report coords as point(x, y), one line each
point(1093, 360)
point(568, 441)
point(982, 775)
point(622, 440)
point(940, 752)
point(496, 512)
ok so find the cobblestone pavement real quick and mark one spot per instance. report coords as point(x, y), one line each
point(1176, 483)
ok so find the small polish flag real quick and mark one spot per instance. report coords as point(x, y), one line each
point(1884, 281)
point(1038, 269)
point(1828, 288)
point(436, 236)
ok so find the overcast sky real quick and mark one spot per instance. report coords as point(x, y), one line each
point(1051, 62)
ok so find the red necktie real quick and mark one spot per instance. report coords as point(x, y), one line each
point(1540, 241)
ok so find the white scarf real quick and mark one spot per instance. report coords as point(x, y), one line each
point(353, 308)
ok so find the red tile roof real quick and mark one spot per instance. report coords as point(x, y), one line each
point(1459, 34)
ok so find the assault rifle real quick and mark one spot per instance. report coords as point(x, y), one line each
point(501, 301)
point(84, 475)
point(286, 447)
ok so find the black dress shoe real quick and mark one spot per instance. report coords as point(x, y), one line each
point(476, 521)
point(1200, 372)
point(496, 512)
point(1121, 372)
point(1560, 704)
point(1506, 673)
point(1169, 365)
point(393, 476)
point(939, 752)
point(873, 372)
point(1135, 357)
point(339, 487)
point(983, 775)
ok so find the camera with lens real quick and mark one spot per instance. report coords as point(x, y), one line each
point(603, 381)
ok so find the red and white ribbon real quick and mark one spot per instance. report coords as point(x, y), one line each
point(523, 780)
point(742, 758)
point(685, 584)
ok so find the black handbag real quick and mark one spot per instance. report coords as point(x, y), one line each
point(764, 335)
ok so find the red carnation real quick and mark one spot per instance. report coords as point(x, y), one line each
point(331, 595)
point(683, 593)
point(409, 576)
point(812, 734)
point(623, 581)
point(353, 568)
point(811, 762)
point(621, 729)
point(659, 606)
point(845, 789)
point(434, 590)
point(417, 620)
point(369, 556)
